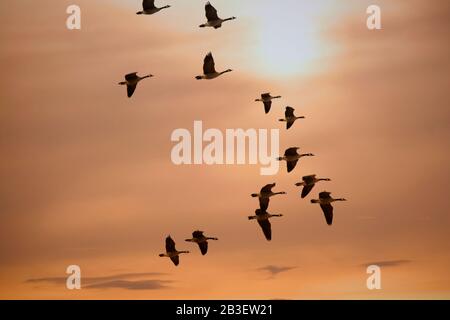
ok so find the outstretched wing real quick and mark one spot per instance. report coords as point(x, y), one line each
point(131, 76)
point(211, 12)
point(197, 234)
point(130, 90)
point(291, 165)
point(266, 228)
point(307, 189)
point(203, 247)
point(289, 112)
point(291, 152)
point(264, 203)
point(175, 260)
point(170, 245)
point(267, 188)
point(328, 211)
point(148, 4)
point(289, 123)
point(324, 195)
point(208, 64)
point(309, 179)
point(267, 105)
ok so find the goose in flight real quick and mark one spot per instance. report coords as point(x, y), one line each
point(201, 240)
point(262, 216)
point(308, 183)
point(266, 98)
point(171, 252)
point(149, 7)
point(131, 81)
point(213, 19)
point(290, 118)
point(325, 201)
point(209, 69)
point(265, 194)
point(291, 157)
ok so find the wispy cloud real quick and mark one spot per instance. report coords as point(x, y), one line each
point(131, 285)
point(387, 263)
point(275, 270)
point(113, 281)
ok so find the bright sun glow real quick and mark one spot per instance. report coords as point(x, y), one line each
point(291, 43)
point(287, 52)
point(279, 42)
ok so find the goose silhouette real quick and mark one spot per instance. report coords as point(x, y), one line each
point(212, 17)
point(266, 99)
point(308, 183)
point(325, 201)
point(172, 252)
point(289, 117)
point(291, 157)
point(131, 81)
point(265, 194)
point(201, 240)
point(262, 216)
point(209, 69)
point(148, 7)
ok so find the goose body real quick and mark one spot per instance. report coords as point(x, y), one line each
point(308, 183)
point(201, 240)
point(266, 99)
point(265, 194)
point(172, 252)
point(325, 200)
point(131, 81)
point(290, 118)
point(213, 19)
point(209, 69)
point(148, 7)
point(291, 157)
point(262, 216)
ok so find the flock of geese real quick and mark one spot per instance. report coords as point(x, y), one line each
point(197, 237)
point(291, 155)
point(209, 69)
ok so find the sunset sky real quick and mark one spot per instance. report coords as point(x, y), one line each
point(86, 176)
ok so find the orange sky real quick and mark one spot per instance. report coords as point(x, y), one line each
point(86, 176)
